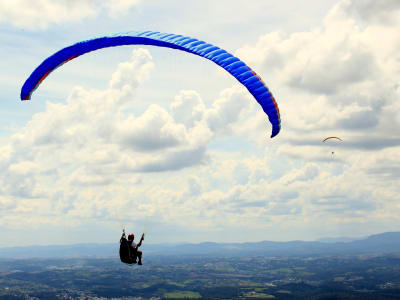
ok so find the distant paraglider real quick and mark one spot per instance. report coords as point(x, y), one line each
point(227, 61)
point(332, 137)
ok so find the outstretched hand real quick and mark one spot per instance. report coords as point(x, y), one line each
point(142, 237)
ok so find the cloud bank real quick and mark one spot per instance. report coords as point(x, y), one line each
point(208, 166)
point(39, 15)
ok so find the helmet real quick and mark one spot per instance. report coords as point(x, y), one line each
point(131, 236)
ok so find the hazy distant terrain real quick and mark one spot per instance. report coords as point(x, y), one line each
point(368, 268)
point(388, 242)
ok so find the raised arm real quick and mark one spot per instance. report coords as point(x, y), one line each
point(141, 240)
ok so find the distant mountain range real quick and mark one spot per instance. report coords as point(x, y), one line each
point(340, 239)
point(388, 242)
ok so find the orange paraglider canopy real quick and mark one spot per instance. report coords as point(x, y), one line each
point(332, 137)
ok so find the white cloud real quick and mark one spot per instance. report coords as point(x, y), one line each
point(25, 168)
point(132, 73)
point(306, 173)
point(369, 10)
point(90, 149)
point(194, 186)
point(193, 165)
point(341, 77)
point(188, 108)
point(41, 14)
point(153, 130)
point(118, 7)
point(233, 105)
point(6, 204)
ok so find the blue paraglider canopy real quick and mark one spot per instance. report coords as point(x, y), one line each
point(227, 61)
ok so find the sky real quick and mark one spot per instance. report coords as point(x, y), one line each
point(164, 142)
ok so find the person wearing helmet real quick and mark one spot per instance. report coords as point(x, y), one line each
point(135, 253)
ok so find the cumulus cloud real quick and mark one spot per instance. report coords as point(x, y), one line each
point(81, 150)
point(174, 160)
point(118, 7)
point(92, 158)
point(188, 108)
point(41, 14)
point(194, 186)
point(385, 164)
point(306, 173)
point(322, 61)
point(153, 130)
point(132, 73)
point(6, 204)
point(369, 10)
point(233, 105)
point(341, 77)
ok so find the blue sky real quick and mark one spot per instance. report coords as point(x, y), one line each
point(165, 142)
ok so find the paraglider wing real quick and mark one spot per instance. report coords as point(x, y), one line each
point(332, 137)
point(230, 63)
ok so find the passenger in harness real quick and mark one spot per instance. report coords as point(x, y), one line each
point(135, 253)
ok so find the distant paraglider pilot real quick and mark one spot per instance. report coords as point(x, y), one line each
point(128, 250)
point(135, 253)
